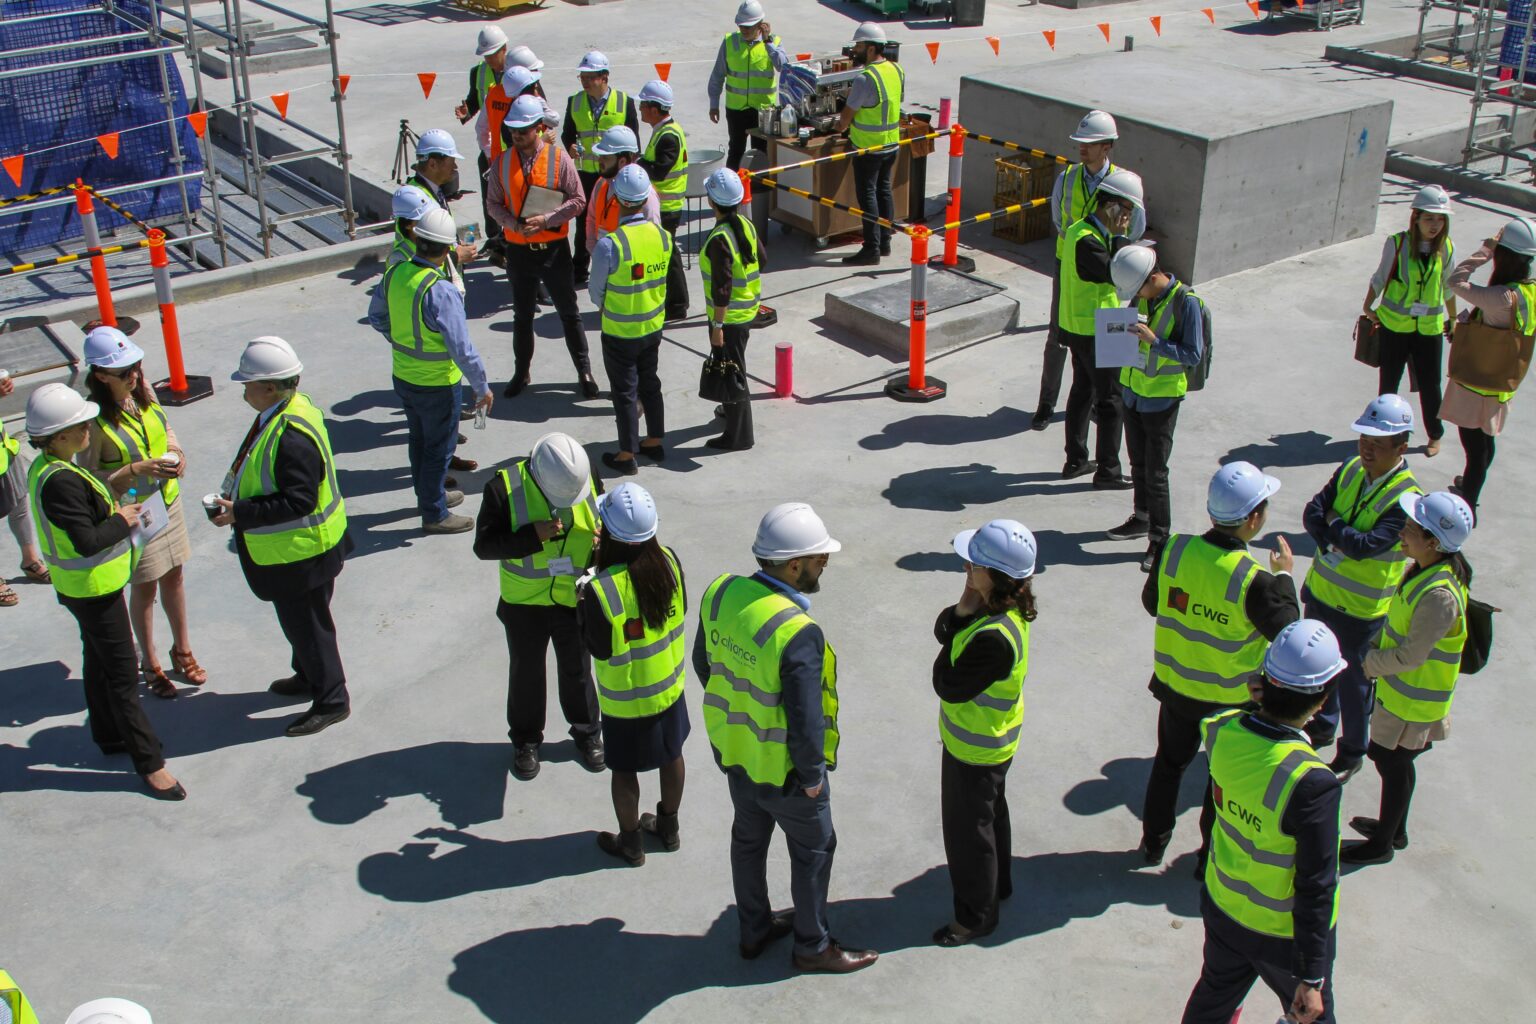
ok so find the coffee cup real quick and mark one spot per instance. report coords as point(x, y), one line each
point(170, 461)
point(211, 505)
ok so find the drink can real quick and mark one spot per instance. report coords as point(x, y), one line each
point(211, 505)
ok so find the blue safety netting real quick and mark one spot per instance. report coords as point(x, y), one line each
point(53, 118)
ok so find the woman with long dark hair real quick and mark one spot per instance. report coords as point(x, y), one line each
point(731, 263)
point(632, 622)
point(979, 678)
point(1507, 300)
point(1417, 308)
point(133, 448)
point(1416, 664)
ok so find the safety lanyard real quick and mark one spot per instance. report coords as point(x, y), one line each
point(1364, 498)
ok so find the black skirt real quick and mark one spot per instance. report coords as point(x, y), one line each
point(645, 744)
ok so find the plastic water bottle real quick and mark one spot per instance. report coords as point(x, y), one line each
point(480, 418)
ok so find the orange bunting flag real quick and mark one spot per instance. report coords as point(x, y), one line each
point(933, 51)
point(1104, 27)
point(198, 119)
point(1157, 24)
point(1050, 37)
point(426, 78)
point(13, 167)
point(280, 101)
point(1209, 12)
point(342, 81)
point(108, 144)
point(995, 42)
point(1253, 5)
point(663, 70)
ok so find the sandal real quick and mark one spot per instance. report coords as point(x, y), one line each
point(37, 572)
point(186, 666)
point(159, 683)
point(8, 598)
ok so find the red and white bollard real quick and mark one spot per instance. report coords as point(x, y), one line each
point(87, 210)
point(178, 388)
point(952, 258)
point(917, 386)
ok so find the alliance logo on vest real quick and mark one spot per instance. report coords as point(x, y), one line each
point(726, 643)
point(1179, 601)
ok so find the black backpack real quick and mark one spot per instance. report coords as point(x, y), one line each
point(1198, 374)
point(1479, 636)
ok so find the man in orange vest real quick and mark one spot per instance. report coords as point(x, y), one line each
point(616, 150)
point(538, 243)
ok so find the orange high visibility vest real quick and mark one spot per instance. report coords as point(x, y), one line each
point(497, 103)
point(606, 207)
point(546, 172)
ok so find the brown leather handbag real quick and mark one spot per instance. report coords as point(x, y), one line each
point(1367, 342)
point(1489, 358)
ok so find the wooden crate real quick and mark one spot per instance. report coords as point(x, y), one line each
point(1020, 178)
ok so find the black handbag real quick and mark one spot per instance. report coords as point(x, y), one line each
point(1367, 342)
point(721, 379)
point(1479, 636)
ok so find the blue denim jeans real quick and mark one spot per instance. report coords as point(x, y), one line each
point(432, 416)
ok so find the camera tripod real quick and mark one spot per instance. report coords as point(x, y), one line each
point(405, 153)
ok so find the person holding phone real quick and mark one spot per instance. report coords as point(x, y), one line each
point(747, 67)
point(87, 541)
point(133, 448)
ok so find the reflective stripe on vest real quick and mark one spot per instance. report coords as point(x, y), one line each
point(11, 996)
point(150, 442)
point(420, 355)
point(1205, 647)
point(536, 579)
point(9, 446)
point(750, 79)
point(74, 574)
point(1416, 282)
point(1076, 201)
point(589, 129)
point(1251, 872)
point(1423, 693)
point(672, 187)
point(544, 172)
point(635, 300)
point(985, 729)
point(645, 674)
point(485, 78)
point(746, 625)
point(309, 535)
point(1079, 298)
point(1160, 376)
point(880, 125)
point(1362, 588)
point(746, 285)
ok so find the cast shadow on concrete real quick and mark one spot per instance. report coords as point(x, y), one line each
point(1302, 448)
point(1122, 783)
point(1059, 548)
point(368, 536)
point(87, 771)
point(956, 488)
point(486, 294)
point(363, 401)
point(204, 720)
point(31, 693)
point(366, 269)
point(390, 15)
point(419, 873)
point(467, 781)
point(557, 398)
point(946, 429)
point(541, 974)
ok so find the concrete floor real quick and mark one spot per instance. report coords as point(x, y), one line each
point(391, 870)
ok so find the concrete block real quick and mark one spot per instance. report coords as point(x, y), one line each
point(961, 309)
point(282, 54)
point(1241, 168)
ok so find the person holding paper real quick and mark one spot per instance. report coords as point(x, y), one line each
point(85, 539)
point(133, 448)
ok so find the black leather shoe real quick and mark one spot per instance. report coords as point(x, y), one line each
point(515, 385)
point(176, 792)
point(589, 388)
point(623, 467)
point(781, 925)
point(591, 750)
point(835, 960)
point(1041, 418)
point(1134, 528)
point(1073, 470)
point(863, 258)
point(1112, 483)
point(462, 439)
point(951, 936)
point(654, 452)
point(450, 482)
point(1320, 739)
point(627, 846)
point(663, 827)
point(311, 722)
point(289, 686)
point(719, 412)
point(1365, 853)
point(1152, 848)
point(1149, 560)
point(525, 761)
point(1367, 827)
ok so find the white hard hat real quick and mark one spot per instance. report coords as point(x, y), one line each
point(516, 79)
point(658, 92)
point(410, 203)
point(1519, 236)
point(1003, 544)
point(749, 13)
point(526, 110)
point(724, 187)
point(628, 513)
point(268, 358)
point(1304, 656)
point(1236, 490)
point(869, 32)
point(1386, 416)
point(55, 407)
point(523, 57)
point(1130, 268)
point(618, 139)
point(792, 530)
point(437, 226)
point(108, 348)
point(1096, 126)
point(437, 142)
point(110, 1011)
point(1446, 516)
point(1432, 199)
point(632, 185)
point(492, 38)
point(593, 62)
point(1124, 184)
point(561, 469)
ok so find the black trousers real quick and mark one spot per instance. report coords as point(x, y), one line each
point(494, 240)
point(581, 259)
point(872, 189)
point(1234, 959)
point(1053, 361)
point(307, 624)
point(808, 833)
point(1099, 389)
point(738, 415)
point(1424, 350)
point(677, 274)
point(1347, 711)
point(1178, 741)
point(530, 630)
point(110, 669)
point(526, 268)
point(1398, 779)
point(633, 384)
point(978, 838)
point(1149, 445)
point(737, 124)
point(1478, 447)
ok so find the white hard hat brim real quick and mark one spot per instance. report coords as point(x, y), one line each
point(242, 378)
point(484, 51)
point(1409, 503)
point(89, 411)
point(1369, 429)
point(126, 356)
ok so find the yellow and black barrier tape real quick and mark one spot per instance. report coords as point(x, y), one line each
point(72, 257)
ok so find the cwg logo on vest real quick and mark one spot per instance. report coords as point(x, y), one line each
point(1179, 601)
point(1243, 814)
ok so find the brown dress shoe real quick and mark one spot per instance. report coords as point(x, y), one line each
point(836, 960)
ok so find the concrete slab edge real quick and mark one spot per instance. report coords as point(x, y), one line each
point(1484, 186)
